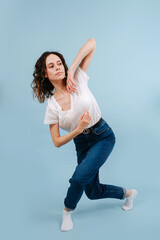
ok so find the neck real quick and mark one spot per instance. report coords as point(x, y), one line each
point(60, 88)
point(60, 91)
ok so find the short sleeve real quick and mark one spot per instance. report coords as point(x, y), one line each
point(51, 114)
point(81, 75)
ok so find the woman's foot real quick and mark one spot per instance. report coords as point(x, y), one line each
point(130, 196)
point(67, 223)
point(128, 192)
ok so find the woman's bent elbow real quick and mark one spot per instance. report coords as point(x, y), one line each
point(57, 145)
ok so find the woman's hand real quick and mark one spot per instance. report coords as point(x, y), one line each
point(71, 86)
point(84, 121)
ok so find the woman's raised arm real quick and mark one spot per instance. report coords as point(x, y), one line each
point(85, 54)
point(83, 57)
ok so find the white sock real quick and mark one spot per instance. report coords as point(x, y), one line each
point(129, 202)
point(67, 223)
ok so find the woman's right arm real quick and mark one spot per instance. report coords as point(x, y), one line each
point(61, 140)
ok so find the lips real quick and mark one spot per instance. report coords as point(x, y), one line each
point(58, 73)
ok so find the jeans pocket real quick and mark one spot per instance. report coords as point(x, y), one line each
point(103, 127)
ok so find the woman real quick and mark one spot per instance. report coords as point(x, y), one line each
point(73, 108)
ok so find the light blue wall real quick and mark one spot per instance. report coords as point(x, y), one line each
point(125, 80)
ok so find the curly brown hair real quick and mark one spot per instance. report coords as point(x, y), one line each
point(42, 87)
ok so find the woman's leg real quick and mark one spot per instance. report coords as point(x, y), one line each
point(86, 171)
point(97, 190)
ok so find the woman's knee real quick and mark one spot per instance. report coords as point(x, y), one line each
point(78, 180)
point(90, 194)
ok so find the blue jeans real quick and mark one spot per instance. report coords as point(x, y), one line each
point(93, 149)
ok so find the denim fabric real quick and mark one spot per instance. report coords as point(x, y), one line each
point(92, 151)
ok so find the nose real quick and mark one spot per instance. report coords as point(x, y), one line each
point(58, 67)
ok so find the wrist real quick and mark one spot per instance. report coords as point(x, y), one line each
point(72, 67)
point(78, 131)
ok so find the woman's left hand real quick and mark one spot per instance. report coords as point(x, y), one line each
point(71, 86)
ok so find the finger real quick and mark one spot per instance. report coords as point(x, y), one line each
point(86, 116)
point(83, 115)
point(68, 89)
point(72, 88)
point(68, 86)
point(87, 113)
point(73, 83)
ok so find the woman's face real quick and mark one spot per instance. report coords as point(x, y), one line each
point(54, 65)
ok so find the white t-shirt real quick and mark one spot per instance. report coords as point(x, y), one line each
point(80, 101)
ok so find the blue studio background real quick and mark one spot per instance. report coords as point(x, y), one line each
point(125, 80)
